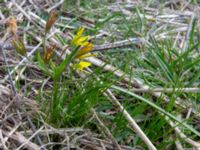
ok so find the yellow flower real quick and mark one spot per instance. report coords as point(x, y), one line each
point(85, 48)
point(78, 39)
point(83, 52)
point(81, 65)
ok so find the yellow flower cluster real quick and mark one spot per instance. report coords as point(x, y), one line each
point(86, 47)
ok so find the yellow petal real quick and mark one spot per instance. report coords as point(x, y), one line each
point(81, 65)
point(84, 50)
point(80, 31)
point(80, 41)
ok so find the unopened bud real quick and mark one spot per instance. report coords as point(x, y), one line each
point(49, 53)
point(51, 20)
point(19, 46)
point(12, 25)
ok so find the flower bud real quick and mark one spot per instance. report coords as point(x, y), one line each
point(19, 46)
point(51, 20)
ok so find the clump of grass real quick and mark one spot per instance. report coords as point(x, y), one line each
point(70, 99)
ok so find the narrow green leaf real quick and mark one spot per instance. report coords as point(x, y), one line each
point(41, 64)
point(59, 69)
point(192, 33)
point(186, 53)
point(165, 67)
point(156, 107)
